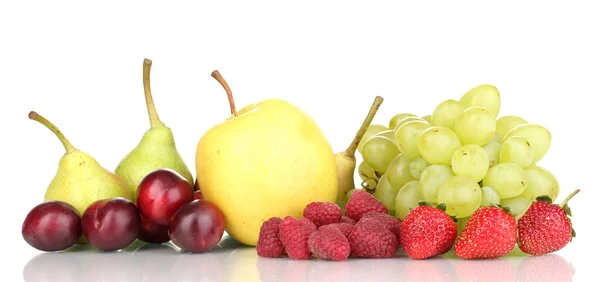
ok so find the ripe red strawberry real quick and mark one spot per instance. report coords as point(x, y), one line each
point(322, 213)
point(545, 227)
point(427, 231)
point(362, 202)
point(490, 232)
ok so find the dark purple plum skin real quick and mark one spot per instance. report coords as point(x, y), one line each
point(197, 227)
point(52, 226)
point(111, 224)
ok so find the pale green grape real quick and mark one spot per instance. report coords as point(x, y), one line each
point(432, 179)
point(437, 144)
point(460, 224)
point(398, 172)
point(369, 184)
point(395, 119)
point(485, 95)
point(476, 125)
point(508, 179)
point(427, 118)
point(407, 137)
point(389, 134)
point(496, 138)
point(538, 137)
point(417, 166)
point(517, 150)
point(365, 172)
point(407, 199)
point(492, 149)
point(371, 130)
point(378, 151)
point(515, 205)
point(461, 194)
point(470, 160)
point(540, 182)
point(407, 119)
point(446, 113)
point(489, 197)
point(507, 123)
point(386, 193)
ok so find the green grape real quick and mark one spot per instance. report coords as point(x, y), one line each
point(432, 179)
point(515, 205)
point(507, 123)
point(540, 182)
point(407, 119)
point(437, 144)
point(427, 118)
point(460, 224)
point(485, 96)
point(378, 151)
point(470, 160)
point(446, 113)
point(461, 194)
point(371, 130)
point(395, 119)
point(496, 138)
point(365, 172)
point(538, 137)
point(386, 193)
point(508, 179)
point(492, 149)
point(516, 150)
point(407, 199)
point(489, 197)
point(398, 172)
point(476, 125)
point(389, 134)
point(417, 166)
point(407, 137)
point(369, 184)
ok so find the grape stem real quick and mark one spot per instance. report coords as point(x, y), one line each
point(216, 75)
point(564, 203)
point(351, 150)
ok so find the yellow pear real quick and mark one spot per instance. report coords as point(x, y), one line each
point(269, 159)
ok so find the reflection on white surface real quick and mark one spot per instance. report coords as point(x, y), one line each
point(231, 261)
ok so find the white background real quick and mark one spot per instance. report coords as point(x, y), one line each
point(80, 66)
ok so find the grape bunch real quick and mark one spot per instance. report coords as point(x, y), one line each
point(463, 155)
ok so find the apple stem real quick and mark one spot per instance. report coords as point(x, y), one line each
point(68, 146)
point(216, 75)
point(154, 119)
point(351, 150)
point(564, 203)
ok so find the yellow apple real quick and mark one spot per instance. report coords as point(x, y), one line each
point(270, 159)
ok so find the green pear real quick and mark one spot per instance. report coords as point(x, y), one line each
point(156, 150)
point(80, 179)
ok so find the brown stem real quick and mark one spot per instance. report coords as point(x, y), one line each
point(216, 75)
point(153, 115)
point(351, 150)
point(564, 203)
point(68, 146)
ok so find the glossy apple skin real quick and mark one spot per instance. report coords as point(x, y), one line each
point(161, 193)
point(151, 232)
point(197, 227)
point(111, 224)
point(52, 226)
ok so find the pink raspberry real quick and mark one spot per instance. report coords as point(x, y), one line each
point(322, 213)
point(329, 243)
point(294, 234)
point(362, 202)
point(372, 239)
point(390, 222)
point(269, 244)
point(345, 228)
point(348, 220)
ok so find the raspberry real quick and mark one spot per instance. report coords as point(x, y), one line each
point(329, 243)
point(293, 234)
point(322, 213)
point(348, 220)
point(390, 222)
point(362, 202)
point(371, 239)
point(269, 244)
point(345, 228)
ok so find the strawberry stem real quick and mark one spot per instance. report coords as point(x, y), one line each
point(564, 203)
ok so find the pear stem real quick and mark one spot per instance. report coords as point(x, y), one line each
point(216, 75)
point(564, 203)
point(351, 150)
point(68, 146)
point(154, 119)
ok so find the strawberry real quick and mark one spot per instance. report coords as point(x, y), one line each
point(427, 231)
point(545, 227)
point(490, 232)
